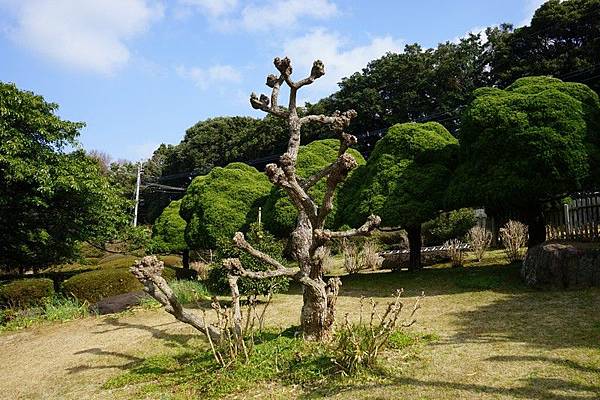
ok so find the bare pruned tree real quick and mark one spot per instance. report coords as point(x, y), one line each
point(309, 240)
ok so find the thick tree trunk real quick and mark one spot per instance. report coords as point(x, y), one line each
point(414, 245)
point(536, 223)
point(313, 318)
point(186, 259)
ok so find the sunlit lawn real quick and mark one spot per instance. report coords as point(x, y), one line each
point(494, 339)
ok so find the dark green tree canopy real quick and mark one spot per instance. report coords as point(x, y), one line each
point(49, 199)
point(534, 140)
point(404, 179)
point(415, 84)
point(219, 141)
point(279, 213)
point(221, 203)
point(562, 40)
point(168, 231)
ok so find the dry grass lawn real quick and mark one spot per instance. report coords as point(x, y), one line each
point(497, 340)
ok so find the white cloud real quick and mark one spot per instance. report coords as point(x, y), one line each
point(476, 30)
point(207, 77)
point(213, 8)
point(257, 16)
point(339, 58)
point(530, 7)
point(285, 14)
point(84, 34)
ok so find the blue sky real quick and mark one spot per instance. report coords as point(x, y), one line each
point(140, 72)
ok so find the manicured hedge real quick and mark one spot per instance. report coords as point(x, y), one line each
point(93, 286)
point(26, 292)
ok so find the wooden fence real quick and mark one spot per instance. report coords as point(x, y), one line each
point(579, 220)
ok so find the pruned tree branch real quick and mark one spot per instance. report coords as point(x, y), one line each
point(338, 120)
point(365, 229)
point(338, 173)
point(234, 266)
point(148, 271)
point(263, 104)
point(240, 242)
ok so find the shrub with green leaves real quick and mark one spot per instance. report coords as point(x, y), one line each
point(221, 203)
point(535, 140)
point(93, 286)
point(279, 213)
point(168, 231)
point(261, 240)
point(448, 225)
point(116, 261)
point(26, 292)
point(404, 180)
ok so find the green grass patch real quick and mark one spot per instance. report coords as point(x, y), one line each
point(56, 308)
point(279, 357)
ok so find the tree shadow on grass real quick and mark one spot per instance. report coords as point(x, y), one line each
point(133, 361)
point(553, 319)
point(532, 388)
point(169, 339)
point(435, 281)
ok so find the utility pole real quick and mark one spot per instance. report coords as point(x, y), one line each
point(137, 193)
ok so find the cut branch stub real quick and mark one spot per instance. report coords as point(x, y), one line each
point(272, 80)
point(283, 65)
point(317, 70)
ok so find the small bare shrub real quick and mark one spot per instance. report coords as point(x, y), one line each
point(358, 258)
point(359, 345)
point(514, 237)
point(479, 239)
point(454, 252)
point(328, 262)
point(352, 257)
point(371, 258)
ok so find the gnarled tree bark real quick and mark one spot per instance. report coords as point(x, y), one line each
point(309, 238)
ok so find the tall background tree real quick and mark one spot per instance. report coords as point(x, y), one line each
point(404, 181)
point(50, 199)
point(563, 40)
point(534, 141)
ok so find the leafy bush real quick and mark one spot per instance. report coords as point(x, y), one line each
point(221, 203)
point(117, 261)
point(168, 231)
point(26, 292)
point(261, 240)
point(449, 225)
point(93, 286)
point(514, 237)
point(479, 239)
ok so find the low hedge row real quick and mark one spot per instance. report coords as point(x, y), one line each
point(93, 286)
point(26, 292)
point(90, 286)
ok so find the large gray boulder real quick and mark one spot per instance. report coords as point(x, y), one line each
point(556, 265)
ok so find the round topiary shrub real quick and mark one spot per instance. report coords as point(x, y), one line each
point(26, 292)
point(93, 286)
